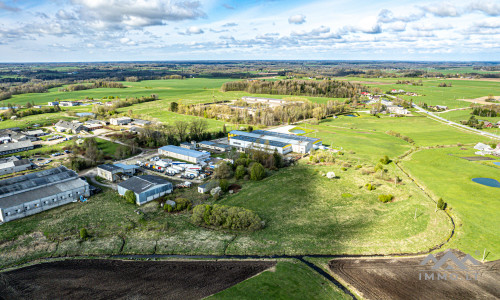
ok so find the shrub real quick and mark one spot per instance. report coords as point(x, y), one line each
point(224, 185)
point(84, 234)
point(130, 197)
point(223, 171)
point(441, 204)
point(240, 172)
point(385, 160)
point(385, 198)
point(358, 167)
point(226, 217)
point(370, 187)
point(257, 172)
point(343, 169)
point(182, 204)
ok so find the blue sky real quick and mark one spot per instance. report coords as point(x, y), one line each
point(121, 30)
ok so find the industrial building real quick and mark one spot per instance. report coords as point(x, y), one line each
point(271, 140)
point(145, 187)
point(33, 193)
point(13, 164)
point(110, 172)
point(183, 154)
point(75, 127)
point(120, 121)
point(213, 146)
point(15, 147)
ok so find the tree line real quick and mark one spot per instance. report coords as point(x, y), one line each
point(322, 88)
point(94, 85)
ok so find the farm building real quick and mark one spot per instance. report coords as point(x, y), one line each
point(9, 136)
point(15, 147)
point(13, 164)
point(120, 121)
point(69, 103)
point(140, 122)
point(75, 127)
point(145, 187)
point(297, 143)
point(53, 103)
point(33, 193)
point(34, 133)
point(183, 153)
point(214, 146)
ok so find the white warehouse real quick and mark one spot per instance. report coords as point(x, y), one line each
point(33, 193)
point(297, 143)
point(183, 154)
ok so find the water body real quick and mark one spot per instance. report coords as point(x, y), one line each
point(487, 181)
point(351, 116)
point(497, 163)
point(297, 131)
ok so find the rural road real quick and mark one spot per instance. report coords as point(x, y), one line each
point(450, 123)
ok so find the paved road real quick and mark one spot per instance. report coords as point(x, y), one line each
point(450, 123)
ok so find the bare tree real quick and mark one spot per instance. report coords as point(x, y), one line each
point(181, 128)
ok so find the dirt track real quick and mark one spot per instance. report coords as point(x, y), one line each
point(398, 278)
point(117, 279)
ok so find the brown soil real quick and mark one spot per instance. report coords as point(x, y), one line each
point(399, 278)
point(235, 188)
point(118, 279)
point(482, 100)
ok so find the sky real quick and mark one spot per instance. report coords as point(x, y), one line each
point(151, 30)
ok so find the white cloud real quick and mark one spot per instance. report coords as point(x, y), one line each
point(488, 7)
point(443, 9)
point(194, 30)
point(297, 19)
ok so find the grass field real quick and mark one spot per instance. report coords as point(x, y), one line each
point(464, 115)
point(289, 280)
point(475, 207)
point(308, 213)
point(434, 95)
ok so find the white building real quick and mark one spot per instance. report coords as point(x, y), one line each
point(33, 193)
point(262, 139)
point(183, 153)
point(13, 164)
point(120, 121)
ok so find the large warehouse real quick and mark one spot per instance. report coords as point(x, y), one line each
point(242, 142)
point(183, 153)
point(297, 143)
point(145, 187)
point(33, 193)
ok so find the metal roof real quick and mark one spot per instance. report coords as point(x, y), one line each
point(183, 151)
point(42, 192)
point(30, 182)
point(126, 167)
point(15, 146)
point(140, 184)
point(286, 135)
point(259, 141)
point(210, 143)
point(109, 167)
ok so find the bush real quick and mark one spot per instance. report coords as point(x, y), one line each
point(224, 185)
point(385, 160)
point(240, 172)
point(130, 197)
point(182, 204)
point(257, 172)
point(385, 198)
point(370, 187)
point(84, 234)
point(358, 167)
point(226, 217)
point(223, 171)
point(343, 169)
point(441, 204)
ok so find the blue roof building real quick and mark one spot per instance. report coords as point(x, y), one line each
point(183, 153)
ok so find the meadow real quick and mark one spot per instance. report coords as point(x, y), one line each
point(290, 279)
point(431, 93)
point(474, 207)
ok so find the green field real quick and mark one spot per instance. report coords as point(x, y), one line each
point(475, 207)
point(464, 115)
point(431, 93)
point(289, 280)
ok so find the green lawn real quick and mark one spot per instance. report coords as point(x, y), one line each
point(107, 147)
point(475, 207)
point(289, 280)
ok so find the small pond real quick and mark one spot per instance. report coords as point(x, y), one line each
point(351, 115)
point(297, 131)
point(487, 181)
point(497, 163)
